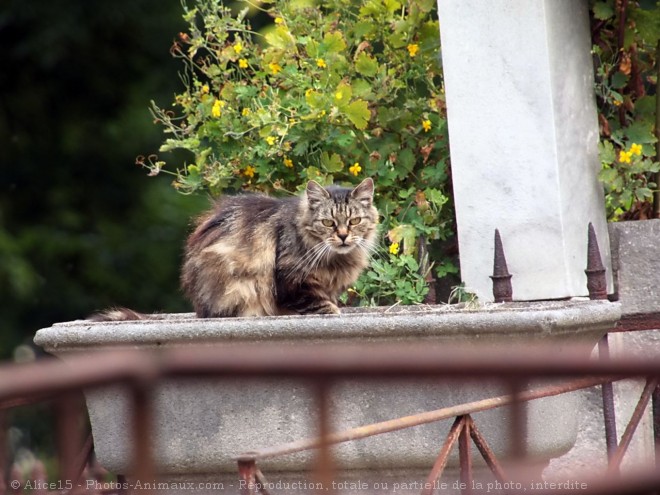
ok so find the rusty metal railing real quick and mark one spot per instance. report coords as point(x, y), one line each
point(324, 365)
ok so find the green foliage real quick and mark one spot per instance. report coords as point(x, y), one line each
point(626, 40)
point(333, 93)
point(390, 280)
point(81, 228)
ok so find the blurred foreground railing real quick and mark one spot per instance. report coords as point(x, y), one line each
point(325, 365)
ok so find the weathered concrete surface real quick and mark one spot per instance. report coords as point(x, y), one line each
point(636, 262)
point(200, 425)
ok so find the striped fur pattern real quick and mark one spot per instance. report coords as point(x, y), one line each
point(253, 255)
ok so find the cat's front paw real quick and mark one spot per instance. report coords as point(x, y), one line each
point(323, 308)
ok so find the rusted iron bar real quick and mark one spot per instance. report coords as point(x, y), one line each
point(3, 451)
point(502, 289)
point(53, 377)
point(656, 424)
point(247, 469)
point(261, 481)
point(487, 453)
point(441, 460)
point(80, 462)
point(424, 418)
point(142, 417)
point(596, 281)
point(121, 481)
point(324, 462)
point(637, 322)
point(607, 393)
point(311, 361)
point(25, 401)
point(390, 361)
point(465, 457)
point(636, 417)
point(518, 422)
point(69, 441)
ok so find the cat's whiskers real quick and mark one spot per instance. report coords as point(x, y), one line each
point(305, 261)
point(368, 248)
point(320, 256)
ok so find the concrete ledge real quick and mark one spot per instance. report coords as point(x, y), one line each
point(201, 424)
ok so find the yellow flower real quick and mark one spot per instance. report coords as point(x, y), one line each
point(413, 49)
point(339, 95)
point(355, 169)
point(279, 20)
point(426, 125)
point(205, 89)
point(321, 63)
point(216, 110)
point(271, 140)
point(394, 248)
point(245, 112)
point(274, 67)
point(249, 171)
point(636, 149)
point(242, 63)
point(616, 103)
point(238, 48)
point(288, 162)
point(625, 156)
point(309, 92)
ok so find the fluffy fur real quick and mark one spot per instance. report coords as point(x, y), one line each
point(253, 255)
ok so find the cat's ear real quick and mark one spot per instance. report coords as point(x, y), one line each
point(316, 194)
point(364, 192)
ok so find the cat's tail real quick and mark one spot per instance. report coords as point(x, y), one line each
point(118, 314)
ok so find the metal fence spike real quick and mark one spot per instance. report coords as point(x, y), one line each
point(502, 289)
point(596, 282)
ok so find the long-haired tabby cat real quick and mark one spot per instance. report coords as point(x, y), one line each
point(253, 255)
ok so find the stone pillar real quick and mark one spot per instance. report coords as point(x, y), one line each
point(523, 135)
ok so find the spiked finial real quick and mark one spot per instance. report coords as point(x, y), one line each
point(596, 282)
point(502, 290)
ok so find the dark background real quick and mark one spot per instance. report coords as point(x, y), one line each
point(81, 226)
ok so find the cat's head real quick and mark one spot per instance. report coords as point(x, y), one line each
point(340, 217)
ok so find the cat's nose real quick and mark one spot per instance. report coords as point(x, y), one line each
point(342, 236)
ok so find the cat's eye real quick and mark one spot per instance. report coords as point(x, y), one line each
point(354, 221)
point(327, 222)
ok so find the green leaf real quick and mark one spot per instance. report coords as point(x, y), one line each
point(392, 6)
point(343, 94)
point(331, 163)
point(364, 29)
point(405, 162)
point(366, 65)
point(358, 113)
point(406, 233)
point(603, 10)
point(606, 152)
point(647, 23)
point(334, 42)
point(435, 197)
point(619, 80)
point(280, 38)
point(640, 132)
point(362, 89)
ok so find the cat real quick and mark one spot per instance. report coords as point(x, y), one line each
point(254, 255)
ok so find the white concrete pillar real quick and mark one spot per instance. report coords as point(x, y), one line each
point(523, 135)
